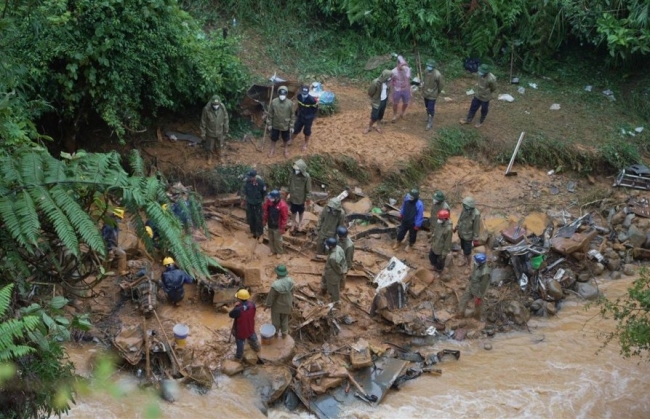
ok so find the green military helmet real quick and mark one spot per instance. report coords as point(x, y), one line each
point(334, 204)
point(469, 202)
point(281, 270)
point(215, 100)
point(385, 76)
point(431, 63)
point(483, 69)
point(283, 90)
point(415, 194)
point(439, 196)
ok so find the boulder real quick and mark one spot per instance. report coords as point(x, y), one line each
point(502, 275)
point(613, 263)
point(618, 218)
point(278, 350)
point(646, 245)
point(642, 223)
point(551, 309)
point(628, 220)
point(575, 243)
point(537, 305)
point(231, 368)
point(517, 312)
point(615, 275)
point(584, 277)
point(487, 346)
point(587, 291)
point(621, 237)
point(598, 268)
point(629, 269)
point(270, 381)
point(636, 236)
point(554, 290)
point(362, 206)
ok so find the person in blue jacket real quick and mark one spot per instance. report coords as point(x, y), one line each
point(173, 280)
point(412, 215)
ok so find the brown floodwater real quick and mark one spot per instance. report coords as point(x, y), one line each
point(553, 371)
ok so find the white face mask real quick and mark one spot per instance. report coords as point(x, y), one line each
point(215, 107)
point(283, 97)
point(297, 171)
point(441, 221)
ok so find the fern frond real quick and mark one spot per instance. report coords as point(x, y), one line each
point(31, 168)
point(82, 223)
point(27, 216)
point(15, 352)
point(11, 222)
point(136, 163)
point(62, 226)
point(5, 299)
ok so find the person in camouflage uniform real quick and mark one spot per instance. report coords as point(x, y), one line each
point(478, 285)
point(378, 92)
point(335, 270)
point(439, 203)
point(214, 127)
point(468, 228)
point(440, 241)
point(432, 85)
point(279, 120)
point(280, 300)
point(347, 245)
point(331, 218)
point(485, 88)
point(299, 192)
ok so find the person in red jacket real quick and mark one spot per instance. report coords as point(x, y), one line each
point(243, 327)
point(275, 213)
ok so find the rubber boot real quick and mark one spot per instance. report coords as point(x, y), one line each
point(304, 147)
point(396, 245)
point(479, 123)
point(465, 121)
point(429, 122)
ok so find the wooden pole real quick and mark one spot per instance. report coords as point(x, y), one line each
point(512, 60)
point(514, 155)
point(267, 112)
point(146, 349)
point(162, 329)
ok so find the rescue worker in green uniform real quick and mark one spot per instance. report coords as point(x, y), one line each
point(440, 241)
point(330, 219)
point(335, 270)
point(468, 228)
point(280, 301)
point(299, 192)
point(432, 85)
point(439, 203)
point(478, 285)
point(214, 127)
point(378, 92)
point(279, 120)
point(485, 88)
point(347, 245)
point(252, 193)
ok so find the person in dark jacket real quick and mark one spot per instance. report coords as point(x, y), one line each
point(412, 215)
point(243, 327)
point(305, 115)
point(173, 280)
point(253, 193)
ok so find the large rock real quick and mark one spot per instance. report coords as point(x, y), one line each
point(615, 275)
point(599, 268)
point(646, 245)
point(555, 290)
point(587, 291)
point(270, 381)
point(502, 275)
point(362, 206)
point(278, 350)
point(231, 368)
point(551, 309)
point(618, 218)
point(517, 312)
point(584, 277)
point(636, 236)
point(628, 220)
point(575, 243)
point(629, 269)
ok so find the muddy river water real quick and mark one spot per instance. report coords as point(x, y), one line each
point(553, 371)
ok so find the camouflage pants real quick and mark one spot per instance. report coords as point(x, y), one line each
point(465, 299)
point(333, 287)
point(275, 241)
point(213, 145)
point(280, 321)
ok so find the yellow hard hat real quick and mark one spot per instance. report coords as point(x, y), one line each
point(168, 261)
point(164, 207)
point(118, 212)
point(149, 231)
point(243, 294)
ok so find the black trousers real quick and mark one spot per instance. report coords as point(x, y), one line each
point(474, 107)
point(403, 228)
point(437, 261)
point(254, 219)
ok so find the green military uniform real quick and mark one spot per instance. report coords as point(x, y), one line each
point(254, 192)
point(300, 184)
point(441, 239)
point(469, 224)
point(330, 219)
point(374, 91)
point(280, 300)
point(280, 115)
point(479, 281)
point(348, 249)
point(432, 84)
point(335, 270)
point(214, 125)
point(485, 87)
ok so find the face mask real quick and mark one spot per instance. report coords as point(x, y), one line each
point(215, 107)
point(429, 68)
point(296, 172)
point(276, 200)
point(327, 248)
point(466, 208)
point(304, 95)
point(411, 198)
point(283, 97)
point(435, 201)
point(329, 209)
point(441, 221)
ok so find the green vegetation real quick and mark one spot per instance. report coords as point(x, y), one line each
point(632, 315)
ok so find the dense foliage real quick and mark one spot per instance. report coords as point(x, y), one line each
point(123, 61)
point(632, 315)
